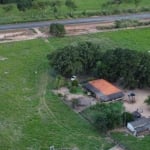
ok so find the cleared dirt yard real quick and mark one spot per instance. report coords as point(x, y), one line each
point(141, 95)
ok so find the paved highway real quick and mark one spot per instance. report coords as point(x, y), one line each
point(101, 19)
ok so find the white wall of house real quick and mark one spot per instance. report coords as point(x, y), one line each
point(130, 127)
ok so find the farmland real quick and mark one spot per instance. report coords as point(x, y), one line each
point(31, 116)
point(43, 11)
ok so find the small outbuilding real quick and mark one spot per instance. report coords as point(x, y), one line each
point(140, 126)
point(84, 101)
point(103, 90)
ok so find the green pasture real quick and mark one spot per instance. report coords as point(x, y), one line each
point(131, 142)
point(31, 116)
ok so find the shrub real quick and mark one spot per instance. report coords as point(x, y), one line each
point(75, 83)
point(127, 117)
point(22, 5)
point(107, 116)
point(57, 29)
point(126, 23)
point(73, 89)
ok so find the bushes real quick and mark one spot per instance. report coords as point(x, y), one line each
point(57, 29)
point(22, 5)
point(126, 23)
point(127, 117)
point(107, 116)
point(75, 59)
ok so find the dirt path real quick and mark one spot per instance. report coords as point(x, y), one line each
point(41, 94)
point(71, 30)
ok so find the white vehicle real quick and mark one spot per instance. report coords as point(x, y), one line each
point(73, 78)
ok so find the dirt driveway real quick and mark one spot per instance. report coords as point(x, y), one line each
point(141, 95)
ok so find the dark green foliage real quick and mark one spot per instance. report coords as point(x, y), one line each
point(127, 117)
point(73, 89)
point(22, 5)
point(148, 100)
point(75, 59)
point(107, 116)
point(7, 1)
point(131, 68)
point(75, 83)
point(57, 29)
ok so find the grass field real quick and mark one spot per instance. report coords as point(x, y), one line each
point(31, 117)
point(10, 13)
point(132, 143)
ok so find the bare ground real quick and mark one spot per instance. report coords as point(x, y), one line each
point(141, 95)
point(21, 35)
point(71, 30)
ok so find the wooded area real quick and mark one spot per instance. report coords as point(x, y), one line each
point(130, 67)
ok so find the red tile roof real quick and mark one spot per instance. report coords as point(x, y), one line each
point(104, 86)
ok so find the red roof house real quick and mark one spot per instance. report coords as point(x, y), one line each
point(104, 90)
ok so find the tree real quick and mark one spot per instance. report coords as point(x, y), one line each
point(107, 116)
point(57, 29)
point(71, 5)
point(24, 4)
point(147, 101)
point(75, 59)
point(127, 117)
point(7, 1)
point(130, 67)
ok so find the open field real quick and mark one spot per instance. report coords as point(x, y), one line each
point(10, 13)
point(132, 143)
point(31, 117)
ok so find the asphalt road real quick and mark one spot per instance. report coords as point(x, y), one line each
point(101, 19)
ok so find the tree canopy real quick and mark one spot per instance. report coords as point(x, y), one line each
point(75, 58)
point(130, 67)
point(107, 116)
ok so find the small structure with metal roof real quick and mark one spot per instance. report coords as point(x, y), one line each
point(139, 126)
point(103, 90)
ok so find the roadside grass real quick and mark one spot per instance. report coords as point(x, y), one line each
point(31, 117)
point(132, 143)
point(10, 14)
